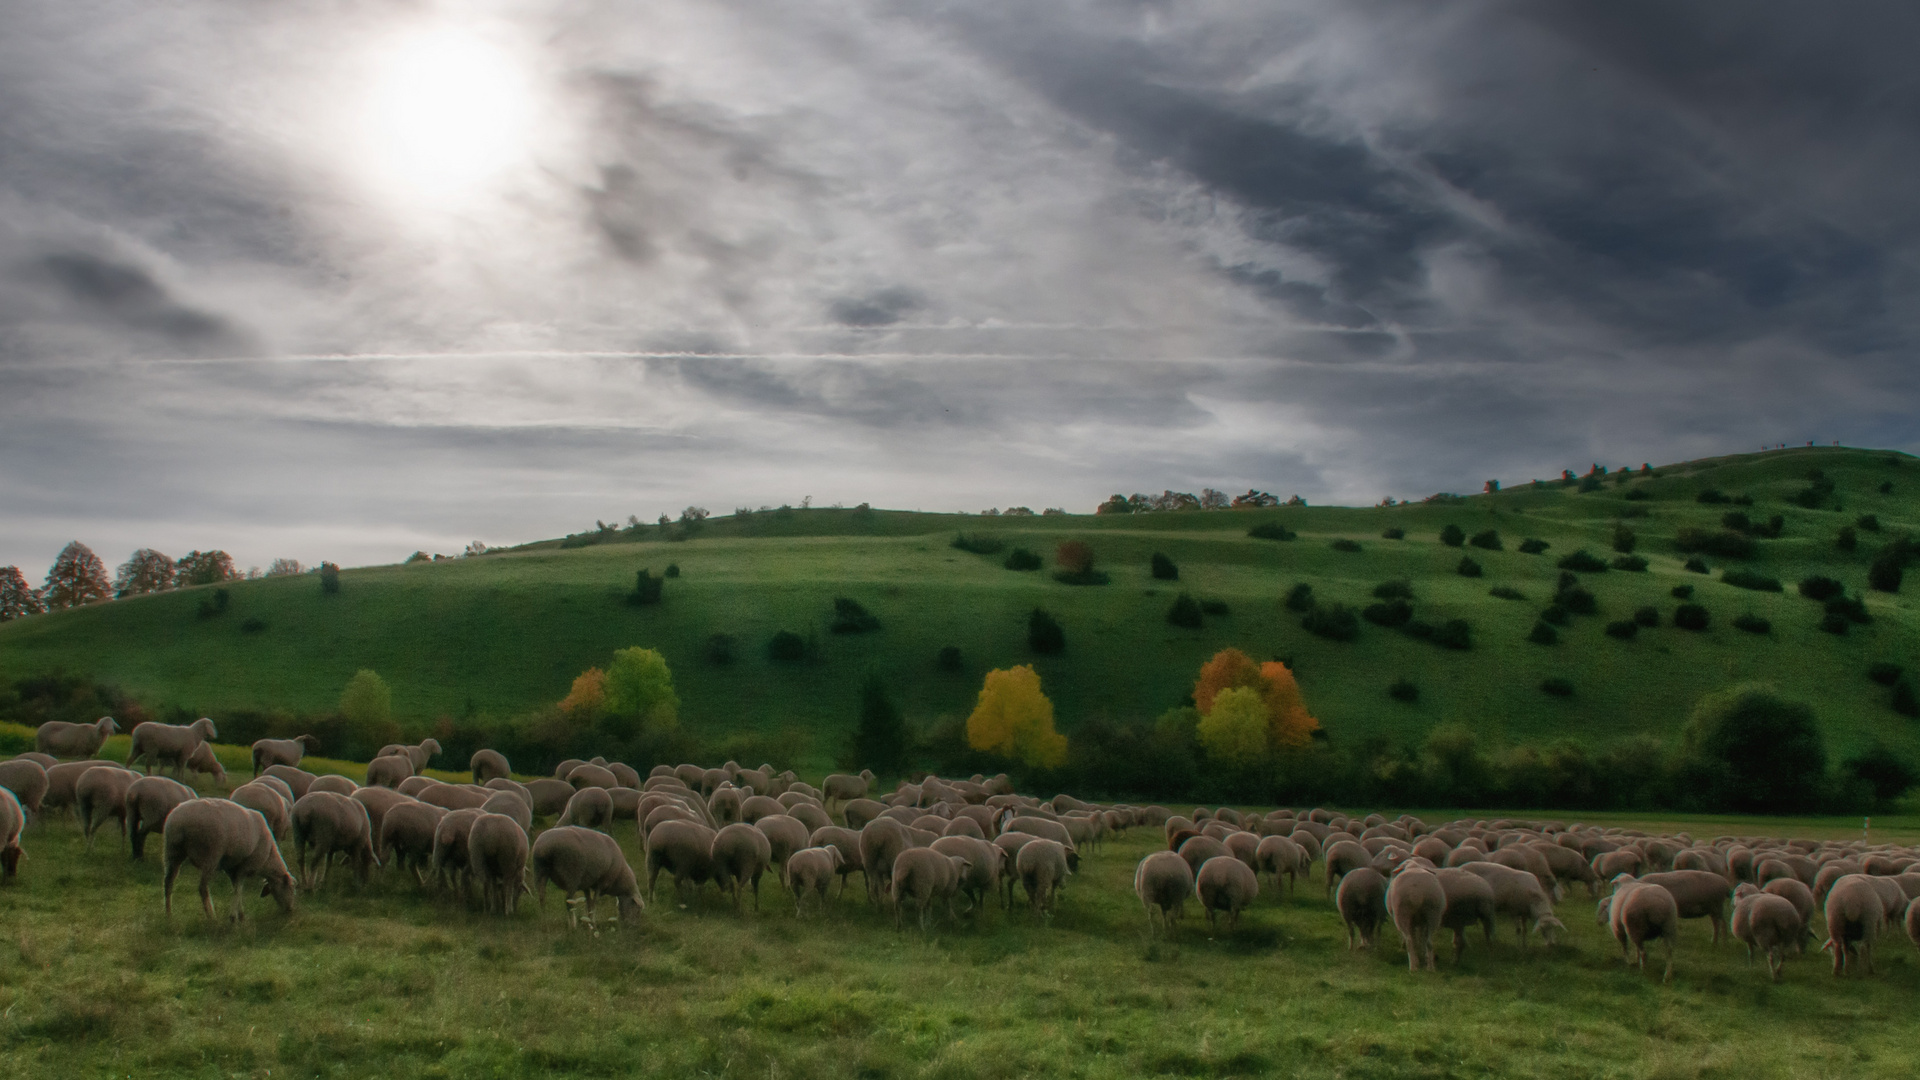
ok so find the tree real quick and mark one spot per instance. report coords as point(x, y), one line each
point(203, 568)
point(646, 589)
point(639, 692)
point(1748, 749)
point(329, 579)
point(1044, 635)
point(1453, 536)
point(1185, 612)
point(880, 738)
point(1287, 722)
point(17, 598)
point(145, 571)
point(76, 577)
point(285, 568)
point(1229, 668)
point(1115, 505)
point(1164, 568)
point(1074, 556)
point(587, 699)
point(1235, 731)
point(1014, 719)
point(367, 706)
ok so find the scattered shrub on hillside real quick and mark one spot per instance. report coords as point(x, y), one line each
point(1013, 718)
point(1533, 546)
point(1272, 530)
point(1453, 536)
point(1163, 568)
point(1867, 523)
point(1647, 616)
point(1300, 598)
point(1454, 634)
point(1837, 625)
point(1487, 539)
point(1749, 748)
point(1403, 690)
point(1886, 573)
point(1073, 556)
point(1346, 545)
point(646, 589)
point(1820, 588)
point(880, 738)
point(787, 647)
point(1846, 539)
point(673, 569)
point(1557, 687)
point(1748, 579)
point(1691, 617)
point(214, 605)
point(1634, 512)
point(1752, 624)
point(1882, 771)
point(1468, 568)
point(1637, 494)
point(1740, 523)
point(718, 649)
point(1886, 487)
point(1711, 496)
point(1395, 533)
point(1390, 614)
point(1682, 592)
point(1582, 561)
point(1724, 543)
point(1335, 622)
point(849, 617)
point(329, 578)
point(1555, 614)
point(1506, 592)
point(1214, 607)
point(1044, 635)
point(1624, 629)
point(1904, 700)
point(640, 694)
point(1542, 634)
point(1577, 601)
point(1185, 612)
point(1624, 539)
point(949, 659)
point(253, 625)
point(979, 544)
point(1696, 566)
point(1851, 608)
point(1884, 673)
point(1393, 590)
point(1022, 559)
point(1589, 483)
point(367, 706)
point(1633, 564)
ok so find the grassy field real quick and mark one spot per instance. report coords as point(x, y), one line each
point(502, 634)
point(389, 981)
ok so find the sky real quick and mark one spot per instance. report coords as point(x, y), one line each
point(331, 279)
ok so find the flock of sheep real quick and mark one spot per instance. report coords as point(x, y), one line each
point(928, 844)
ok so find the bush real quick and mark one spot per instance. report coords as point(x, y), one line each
point(1214, 607)
point(1453, 536)
point(253, 626)
point(329, 579)
point(1185, 612)
point(1748, 579)
point(647, 589)
point(1557, 687)
point(1081, 577)
point(1583, 562)
point(1885, 574)
point(1468, 568)
point(1488, 540)
point(1682, 592)
point(1837, 625)
point(1346, 545)
point(1647, 616)
point(1711, 496)
point(1723, 543)
point(1633, 564)
point(1820, 588)
point(216, 604)
point(1542, 634)
point(1691, 617)
point(849, 617)
point(1752, 624)
point(978, 544)
point(1884, 772)
point(1390, 614)
point(880, 735)
point(1403, 690)
point(1335, 622)
point(673, 569)
point(1395, 533)
point(1851, 608)
point(1904, 700)
point(1867, 523)
point(718, 649)
point(1556, 615)
point(1624, 540)
point(1884, 673)
point(1846, 539)
point(1624, 629)
point(1749, 749)
point(1637, 495)
point(1044, 635)
point(1022, 559)
point(1164, 568)
point(1696, 566)
point(1506, 592)
point(1272, 530)
point(787, 647)
point(1299, 598)
point(949, 658)
point(1454, 634)
point(1577, 601)
point(1393, 590)
point(1533, 546)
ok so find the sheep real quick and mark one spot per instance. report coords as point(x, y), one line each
point(100, 794)
point(28, 782)
point(1637, 913)
point(296, 780)
point(925, 876)
point(549, 796)
point(985, 863)
point(449, 861)
point(1309, 843)
point(13, 821)
point(586, 776)
point(881, 841)
point(388, 771)
point(63, 778)
point(201, 759)
point(1342, 857)
point(1163, 881)
point(497, 856)
point(740, 854)
point(269, 801)
point(406, 836)
point(1522, 857)
point(216, 835)
point(156, 744)
point(625, 775)
point(281, 751)
point(1855, 916)
point(453, 796)
point(813, 817)
point(1518, 895)
point(724, 804)
point(683, 849)
point(755, 807)
point(1362, 900)
point(326, 822)
point(378, 801)
point(1470, 901)
point(1224, 883)
point(1043, 868)
point(501, 783)
point(1198, 849)
point(487, 764)
point(811, 870)
point(590, 808)
point(786, 835)
point(1609, 865)
point(45, 761)
point(1766, 923)
point(1795, 892)
point(417, 756)
point(1244, 846)
point(847, 842)
point(149, 800)
point(839, 787)
point(1569, 865)
point(335, 783)
point(1913, 924)
point(509, 805)
point(584, 861)
point(856, 812)
point(1698, 893)
point(59, 739)
point(1417, 903)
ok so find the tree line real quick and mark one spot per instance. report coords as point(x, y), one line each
point(78, 577)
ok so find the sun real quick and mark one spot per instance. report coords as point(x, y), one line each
point(447, 115)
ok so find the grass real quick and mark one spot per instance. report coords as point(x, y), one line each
point(391, 981)
point(499, 635)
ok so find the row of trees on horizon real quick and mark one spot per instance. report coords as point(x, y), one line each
point(78, 577)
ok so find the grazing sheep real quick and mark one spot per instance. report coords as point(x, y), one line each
point(1518, 895)
point(1043, 868)
point(57, 738)
point(449, 863)
point(487, 764)
point(417, 756)
point(584, 861)
point(1344, 856)
point(216, 836)
point(1469, 902)
point(297, 780)
point(1637, 913)
point(1524, 857)
point(406, 836)
point(584, 776)
point(258, 795)
point(1913, 924)
point(1768, 924)
point(1855, 916)
point(1700, 894)
point(683, 849)
point(1055, 831)
point(378, 801)
point(1224, 883)
point(549, 796)
point(590, 808)
point(100, 794)
point(148, 801)
point(811, 870)
point(1569, 865)
point(1362, 900)
point(1197, 850)
point(497, 856)
point(724, 804)
point(1795, 892)
point(925, 876)
point(281, 751)
point(501, 783)
point(740, 855)
point(63, 778)
point(810, 815)
point(1163, 881)
point(326, 823)
point(202, 760)
point(856, 812)
point(847, 842)
point(1244, 846)
point(881, 841)
point(388, 771)
point(985, 864)
point(45, 761)
point(626, 776)
point(335, 783)
point(1417, 903)
point(278, 785)
point(156, 744)
point(785, 833)
point(1609, 865)
point(412, 786)
point(755, 807)
point(509, 805)
point(13, 821)
point(452, 796)
point(28, 782)
point(839, 787)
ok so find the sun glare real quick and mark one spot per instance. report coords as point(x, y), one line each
point(448, 115)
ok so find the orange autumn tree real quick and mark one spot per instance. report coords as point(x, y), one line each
point(1288, 723)
point(1014, 719)
point(588, 698)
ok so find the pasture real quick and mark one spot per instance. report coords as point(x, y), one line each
point(391, 980)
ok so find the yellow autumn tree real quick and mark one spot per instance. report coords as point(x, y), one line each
point(1235, 731)
point(1287, 721)
point(588, 698)
point(1014, 719)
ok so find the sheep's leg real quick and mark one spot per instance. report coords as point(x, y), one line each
point(239, 912)
point(1668, 977)
point(206, 893)
point(173, 871)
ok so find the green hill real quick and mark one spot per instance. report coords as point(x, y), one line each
point(505, 633)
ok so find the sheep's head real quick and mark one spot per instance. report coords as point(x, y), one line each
point(631, 906)
point(279, 885)
point(1551, 928)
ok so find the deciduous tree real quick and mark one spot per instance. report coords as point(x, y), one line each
point(203, 568)
point(587, 700)
point(1013, 718)
point(367, 706)
point(1235, 731)
point(1074, 556)
point(639, 690)
point(145, 571)
point(285, 568)
point(17, 598)
point(76, 577)
point(880, 739)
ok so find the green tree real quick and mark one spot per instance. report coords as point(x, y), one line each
point(367, 706)
point(880, 739)
point(145, 571)
point(1748, 749)
point(640, 696)
point(1235, 731)
point(204, 568)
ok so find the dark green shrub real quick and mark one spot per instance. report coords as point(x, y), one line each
point(1886, 487)
point(1272, 530)
point(1867, 523)
point(1589, 483)
point(1846, 539)
point(1885, 773)
point(1624, 539)
point(1635, 512)
point(1403, 690)
point(1214, 607)
point(1752, 624)
point(1082, 577)
point(1299, 598)
point(1185, 612)
point(978, 544)
point(1820, 588)
point(1851, 608)
point(718, 649)
point(1691, 617)
point(1542, 634)
point(851, 618)
point(1395, 533)
point(1454, 634)
point(1533, 546)
point(1468, 568)
point(1637, 494)
point(1346, 545)
point(1724, 543)
point(253, 626)
point(673, 569)
point(1885, 574)
point(1682, 592)
point(1583, 562)
point(1022, 559)
point(1748, 579)
point(1335, 622)
point(787, 647)
point(1557, 687)
point(1164, 568)
point(329, 579)
point(1390, 614)
point(1577, 601)
point(1453, 536)
point(1624, 629)
point(214, 605)
point(1506, 592)
point(880, 736)
point(1904, 701)
point(1711, 496)
point(1647, 616)
point(1837, 625)
point(1696, 566)
point(1750, 750)
point(1556, 615)
point(647, 589)
point(1885, 674)
point(1633, 564)
point(1044, 635)
point(949, 658)
point(1393, 590)
point(1487, 539)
